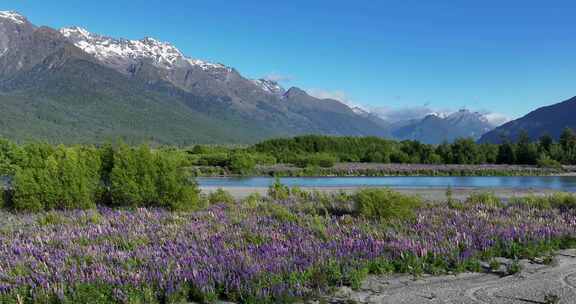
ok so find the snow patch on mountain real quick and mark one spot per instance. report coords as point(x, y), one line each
point(269, 86)
point(123, 51)
point(13, 16)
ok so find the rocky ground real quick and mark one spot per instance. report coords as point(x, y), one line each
point(536, 283)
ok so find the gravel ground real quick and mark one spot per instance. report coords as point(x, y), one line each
point(531, 285)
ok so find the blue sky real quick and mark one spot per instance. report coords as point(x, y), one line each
point(507, 57)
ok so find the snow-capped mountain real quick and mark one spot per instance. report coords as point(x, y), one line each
point(436, 128)
point(12, 16)
point(270, 86)
point(125, 53)
point(71, 85)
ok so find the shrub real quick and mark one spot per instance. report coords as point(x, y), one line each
point(533, 201)
point(66, 179)
point(263, 158)
point(241, 163)
point(279, 212)
point(175, 189)
point(563, 201)
point(323, 160)
point(216, 159)
point(140, 178)
point(278, 191)
point(220, 196)
point(11, 156)
point(253, 200)
point(514, 267)
point(385, 204)
point(488, 199)
point(132, 177)
point(545, 161)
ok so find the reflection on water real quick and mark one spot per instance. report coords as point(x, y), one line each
point(563, 183)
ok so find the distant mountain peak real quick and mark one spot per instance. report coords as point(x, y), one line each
point(295, 92)
point(269, 86)
point(438, 127)
point(124, 52)
point(13, 16)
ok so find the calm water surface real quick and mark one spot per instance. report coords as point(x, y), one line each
point(563, 183)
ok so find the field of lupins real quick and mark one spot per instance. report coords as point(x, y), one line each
point(258, 250)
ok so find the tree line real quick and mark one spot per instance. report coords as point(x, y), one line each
point(546, 151)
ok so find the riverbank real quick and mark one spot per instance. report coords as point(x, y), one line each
point(428, 194)
point(378, 169)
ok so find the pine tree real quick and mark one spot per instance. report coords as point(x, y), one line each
point(546, 142)
point(526, 152)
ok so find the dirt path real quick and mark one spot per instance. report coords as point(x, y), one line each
point(529, 286)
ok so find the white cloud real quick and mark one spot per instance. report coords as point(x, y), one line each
point(407, 113)
point(276, 77)
point(326, 94)
point(496, 119)
point(336, 95)
point(402, 113)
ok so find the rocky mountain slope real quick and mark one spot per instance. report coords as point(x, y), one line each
point(70, 85)
point(551, 120)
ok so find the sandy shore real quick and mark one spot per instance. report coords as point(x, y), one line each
point(430, 194)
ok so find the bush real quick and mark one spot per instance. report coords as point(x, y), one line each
point(263, 158)
point(488, 199)
point(545, 161)
point(532, 201)
point(241, 163)
point(175, 189)
point(564, 201)
point(10, 157)
point(385, 204)
point(220, 196)
point(132, 177)
point(142, 178)
point(253, 200)
point(323, 160)
point(66, 179)
point(217, 159)
point(278, 191)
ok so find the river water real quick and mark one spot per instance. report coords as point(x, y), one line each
point(561, 183)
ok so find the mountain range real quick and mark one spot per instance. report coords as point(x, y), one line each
point(437, 128)
point(550, 120)
point(74, 86)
